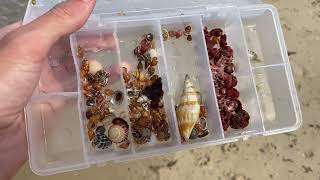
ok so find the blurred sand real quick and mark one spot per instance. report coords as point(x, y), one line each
point(293, 156)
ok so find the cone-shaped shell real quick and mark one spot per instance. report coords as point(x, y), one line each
point(189, 109)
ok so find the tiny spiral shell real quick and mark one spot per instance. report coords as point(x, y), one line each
point(117, 133)
point(188, 110)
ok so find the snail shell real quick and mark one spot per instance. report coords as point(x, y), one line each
point(139, 75)
point(153, 53)
point(94, 66)
point(117, 133)
point(188, 110)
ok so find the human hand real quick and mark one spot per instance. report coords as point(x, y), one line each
point(23, 52)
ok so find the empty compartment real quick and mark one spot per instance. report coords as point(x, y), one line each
point(151, 114)
point(58, 72)
point(278, 108)
point(262, 35)
point(228, 20)
point(186, 55)
point(102, 99)
point(54, 135)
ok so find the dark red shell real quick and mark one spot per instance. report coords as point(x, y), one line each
point(226, 51)
point(223, 40)
point(233, 104)
point(229, 68)
point(240, 120)
point(225, 119)
point(216, 32)
point(230, 81)
point(233, 93)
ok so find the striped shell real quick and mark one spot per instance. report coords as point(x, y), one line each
point(188, 110)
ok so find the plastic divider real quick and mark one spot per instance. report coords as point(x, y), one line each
point(130, 33)
point(115, 35)
point(165, 61)
point(189, 57)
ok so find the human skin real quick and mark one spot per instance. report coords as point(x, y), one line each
point(23, 55)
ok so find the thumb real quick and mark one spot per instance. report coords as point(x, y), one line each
point(35, 39)
point(23, 50)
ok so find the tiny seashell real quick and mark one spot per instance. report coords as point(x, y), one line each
point(117, 98)
point(165, 34)
point(117, 133)
point(142, 99)
point(139, 75)
point(91, 134)
point(108, 119)
point(149, 37)
point(100, 130)
point(188, 110)
point(153, 53)
point(101, 141)
point(133, 92)
point(80, 52)
point(172, 33)
point(94, 66)
point(121, 122)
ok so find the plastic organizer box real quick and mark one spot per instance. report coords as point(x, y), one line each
point(56, 116)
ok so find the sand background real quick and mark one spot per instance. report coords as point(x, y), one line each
point(293, 155)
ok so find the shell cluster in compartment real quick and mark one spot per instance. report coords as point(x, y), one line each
point(221, 64)
point(104, 128)
point(145, 93)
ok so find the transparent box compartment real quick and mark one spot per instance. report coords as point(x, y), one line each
point(54, 134)
point(191, 60)
point(274, 110)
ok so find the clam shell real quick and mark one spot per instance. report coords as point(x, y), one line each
point(188, 110)
point(117, 133)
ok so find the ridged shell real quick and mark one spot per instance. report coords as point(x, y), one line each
point(117, 133)
point(188, 110)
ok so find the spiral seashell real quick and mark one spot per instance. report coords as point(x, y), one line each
point(117, 133)
point(188, 110)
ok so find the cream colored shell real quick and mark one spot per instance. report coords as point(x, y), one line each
point(94, 66)
point(188, 110)
point(116, 133)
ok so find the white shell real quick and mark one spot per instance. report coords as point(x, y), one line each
point(142, 99)
point(188, 110)
point(94, 66)
point(116, 133)
point(153, 53)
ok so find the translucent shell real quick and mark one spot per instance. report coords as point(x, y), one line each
point(188, 110)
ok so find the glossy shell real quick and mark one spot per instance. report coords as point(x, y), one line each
point(117, 133)
point(188, 110)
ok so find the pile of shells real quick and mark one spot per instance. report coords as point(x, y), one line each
point(222, 68)
point(177, 34)
point(144, 88)
point(99, 101)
